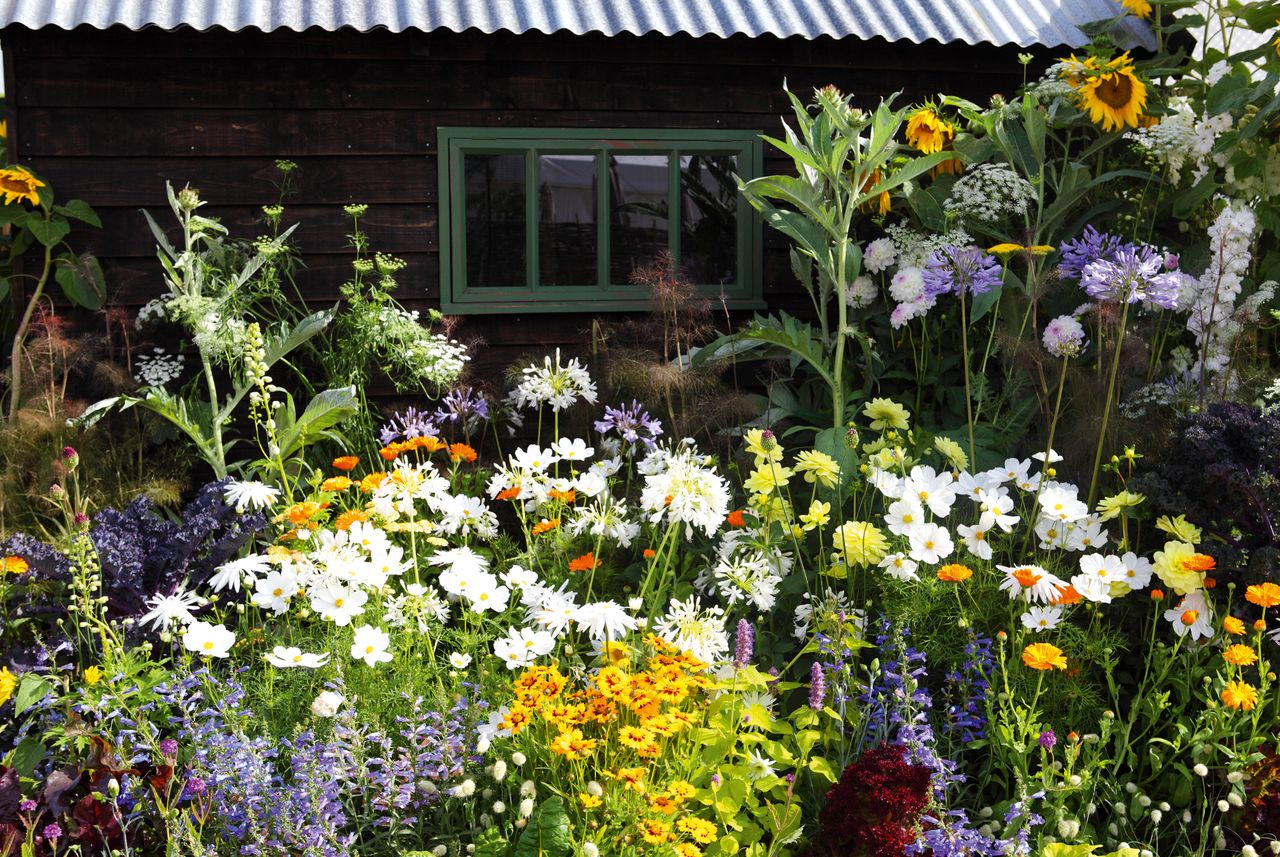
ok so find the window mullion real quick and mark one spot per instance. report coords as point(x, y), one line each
point(674, 215)
point(531, 218)
point(604, 218)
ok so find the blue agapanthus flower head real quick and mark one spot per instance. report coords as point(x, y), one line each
point(961, 270)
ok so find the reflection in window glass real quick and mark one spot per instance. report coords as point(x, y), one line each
point(638, 212)
point(709, 218)
point(495, 209)
point(567, 220)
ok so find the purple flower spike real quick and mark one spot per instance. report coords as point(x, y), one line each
point(817, 686)
point(745, 642)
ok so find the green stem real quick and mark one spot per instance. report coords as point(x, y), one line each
point(20, 336)
point(1106, 410)
point(968, 394)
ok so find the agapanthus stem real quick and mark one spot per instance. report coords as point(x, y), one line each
point(1106, 409)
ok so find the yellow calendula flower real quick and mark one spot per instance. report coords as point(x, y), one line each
point(818, 467)
point(886, 414)
point(14, 565)
point(1180, 528)
point(1111, 92)
point(8, 682)
point(951, 451)
point(768, 478)
point(93, 675)
point(1239, 695)
point(1138, 8)
point(1240, 656)
point(1044, 656)
point(928, 131)
point(818, 515)
point(1233, 626)
point(19, 185)
point(1113, 506)
point(860, 543)
point(1171, 566)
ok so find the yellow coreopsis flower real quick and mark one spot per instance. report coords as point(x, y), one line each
point(818, 515)
point(886, 414)
point(1111, 507)
point(818, 467)
point(1180, 528)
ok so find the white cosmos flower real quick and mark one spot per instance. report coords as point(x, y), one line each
point(532, 459)
point(368, 536)
point(286, 657)
point(370, 645)
point(1042, 618)
point(931, 489)
point(999, 507)
point(462, 560)
point(522, 646)
point(930, 543)
point(974, 537)
point(900, 566)
point(575, 449)
point(338, 604)
point(327, 703)
point(274, 591)
point(604, 620)
point(493, 598)
point(1087, 535)
point(1195, 608)
point(518, 577)
point(230, 574)
point(168, 609)
point(460, 660)
point(209, 641)
point(1137, 570)
point(589, 483)
point(553, 612)
point(249, 495)
point(1059, 504)
point(887, 483)
point(1031, 582)
point(903, 515)
point(1015, 471)
point(1097, 574)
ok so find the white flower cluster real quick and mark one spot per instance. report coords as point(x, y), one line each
point(682, 487)
point(533, 473)
point(1184, 140)
point(158, 368)
point(412, 350)
point(152, 310)
point(990, 193)
point(554, 383)
point(915, 248)
point(1214, 319)
point(746, 572)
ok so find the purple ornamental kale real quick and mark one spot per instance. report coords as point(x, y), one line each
point(961, 270)
point(408, 423)
point(632, 423)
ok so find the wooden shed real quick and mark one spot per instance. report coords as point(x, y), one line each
point(521, 155)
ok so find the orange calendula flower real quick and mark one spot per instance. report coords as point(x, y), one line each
point(1189, 617)
point(1260, 625)
point(955, 573)
point(650, 553)
point(1263, 594)
point(299, 513)
point(346, 519)
point(19, 185)
point(1044, 656)
point(462, 452)
point(336, 483)
point(1240, 656)
point(14, 564)
point(736, 519)
point(508, 493)
point(1157, 595)
point(563, 496)
point(370, 483)
point(1233, 626)
point(1199, 562)
point(346, 463)
point(1239, 695)
point(545, 526)
point(586, 562)
point(1066, 595)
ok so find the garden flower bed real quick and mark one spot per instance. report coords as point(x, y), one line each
point(983, 561)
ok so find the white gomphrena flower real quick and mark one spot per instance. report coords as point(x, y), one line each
point(526, 807)
point(1200, 770)
point(518, 758)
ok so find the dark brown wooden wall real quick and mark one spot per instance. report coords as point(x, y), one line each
point(109, 116)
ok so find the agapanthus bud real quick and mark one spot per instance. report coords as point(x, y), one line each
point(817, 686)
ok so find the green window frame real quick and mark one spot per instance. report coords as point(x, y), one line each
point(457, 297)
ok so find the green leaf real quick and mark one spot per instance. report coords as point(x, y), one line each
point(728, 845)
point(926, 208)
point(79, 210)
point(48, 232)
point(490, 843)
point(82, 281)
point(31, 689)
point(323, 412)
point(547, 832)
point(24, 757)
point(12, 213)
point(822, 768)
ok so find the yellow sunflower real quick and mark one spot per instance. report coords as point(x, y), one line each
point(928, 131)
point(18, 184)
point(1113, 94)
point(1138, 8)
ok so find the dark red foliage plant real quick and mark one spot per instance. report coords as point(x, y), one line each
point(875, 808)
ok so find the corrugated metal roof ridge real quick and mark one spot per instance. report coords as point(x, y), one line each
point(1051, 23)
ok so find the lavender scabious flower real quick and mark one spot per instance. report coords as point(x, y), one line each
point(961, 270)
point(1064, 337)
point(632, 423)
point(408, 423)
point(817, 687)
point(1132, 274)
point(1048, 739)
point(464, 405)
point(744, 644)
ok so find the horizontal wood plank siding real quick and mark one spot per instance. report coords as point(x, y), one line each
point(110, 116)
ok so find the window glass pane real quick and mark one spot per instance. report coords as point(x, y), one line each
point(495, 239)
point(567, 220)
point(638, 215)
point(709, 218)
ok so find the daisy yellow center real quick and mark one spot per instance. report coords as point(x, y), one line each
point(277, 592)
point(208, 644)
point(338, 602)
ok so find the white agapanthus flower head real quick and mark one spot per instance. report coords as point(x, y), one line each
point(554, 383)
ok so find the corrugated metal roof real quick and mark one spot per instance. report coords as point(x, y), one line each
point(1020, 22)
